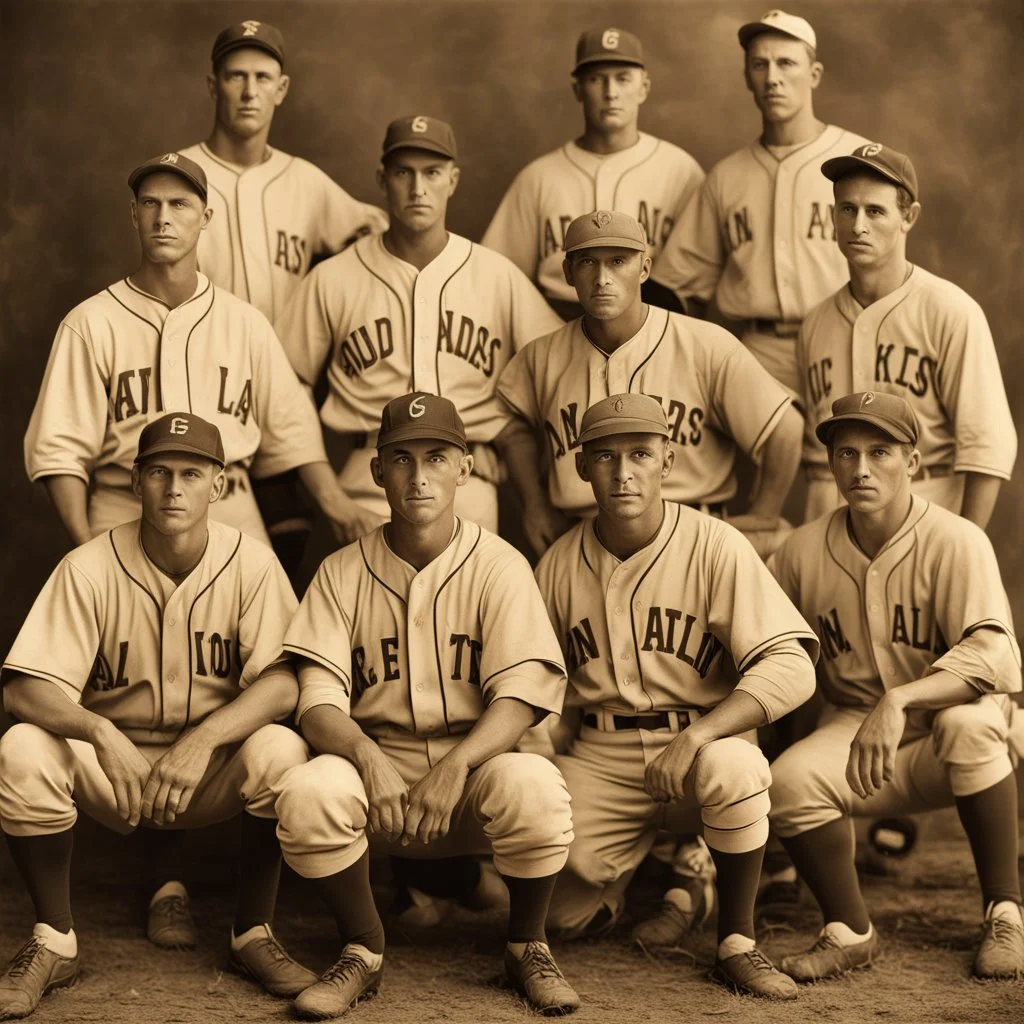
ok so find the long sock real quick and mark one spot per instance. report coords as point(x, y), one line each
point(449, 878)
point(350, 899)
point(990, 820)
point(777, 861)
point(738, 876)
point(259, 871)
point(528, 900)
point(824, 859)
point(163, 856)
point(44, 863)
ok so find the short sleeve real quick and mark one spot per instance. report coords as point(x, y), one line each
point(267, 608)
point(517, 386)
point(513, 228)
point(346, 219)
point(305, 327)
point(692, 259)
point(532, 317)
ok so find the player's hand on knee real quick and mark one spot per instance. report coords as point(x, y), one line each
point(350, 521)
point(126, 769)
point(543, 524)
point(386, 794)
point(432, 800)
point(174, 778)
point(665, 777)
point(872, 761)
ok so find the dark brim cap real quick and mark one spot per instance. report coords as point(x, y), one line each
point(879, 159)
point(608, 46)
point(420, 132)
point(420, 416)
point(249, 34)
point(622, 414)
point(171, 163)
point(890, 414)
point(183, 433)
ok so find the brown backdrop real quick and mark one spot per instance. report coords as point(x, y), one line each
point(91, 89)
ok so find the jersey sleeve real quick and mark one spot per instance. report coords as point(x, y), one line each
point(532, 317)
point(345, 219)
point(305, 326)
point(692, 259)
point(69, 421)
point(517, 388)
point(513, 230)
point(693, 178)
point(268, 605)
point(71, 599)
point(289, 425)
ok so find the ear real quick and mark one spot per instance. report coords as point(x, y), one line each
point(670, 458)
point(817, 73)
point(577, 89)
point(454, 175)
point(136, 481)
point(567, 272)
point(207, 217)
point(211, 85)
point(746, 74)
point(581, 468)
point(377, 471)
point(645, 270)
point(134, 207)
point(911, 218)
point(220, 482)
point(645, 86)
point(913, 463)
point(282, 90)
point(465, 470)
point(381, 178)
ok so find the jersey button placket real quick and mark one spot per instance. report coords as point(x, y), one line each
point(426, 712)
point(863, 355)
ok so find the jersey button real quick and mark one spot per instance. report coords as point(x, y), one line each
point(419, 687)
point(417, 622)
point(618, 611)
point(170, 622)
point(171, 678)
point(625, 655)
point(874, 607)
point(627, 680)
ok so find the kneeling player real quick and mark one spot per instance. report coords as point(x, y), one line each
point(919, 656)
point(426, 656)
point(680, 644)
point(155, 706)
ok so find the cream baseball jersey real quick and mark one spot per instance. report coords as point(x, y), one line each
point(759, 235)
point(269, 221)
point(427, 651)
point(652, 181)
point(928, 341)
point(714, 392)
point(389, 329)
point(930, 600)
point(152, 657)
point(679, 624)
point(122, 358)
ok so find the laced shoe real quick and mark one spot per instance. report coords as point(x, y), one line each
point(32, 972)
point(537, 978)
point(340, 987)
point(265, 960)
point(169, 923)
point(830, 958)
point(752, 973)
point(1001, 953)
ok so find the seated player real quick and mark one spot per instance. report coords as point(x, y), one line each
point(679, 645)
point(918, 658)
point(155, 706)
point(425, 655)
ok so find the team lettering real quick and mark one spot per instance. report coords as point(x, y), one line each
point(102, 678)
point(466, 653)
point(468, 341)
point(737, 229)
point(921, 635)
point(216, 655)
point(830, 633)
point(291, 253)
point(134, 392)
point(894, 364)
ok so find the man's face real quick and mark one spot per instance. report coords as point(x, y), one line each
point(419, 478)
point(176, 490)
point(871, 469)
point(611, 95)
point(869, 225)
point(247, 87)
point(625, 472)
point(782, 76)
point(168, 215)
point(607, 279)
point(417, 186)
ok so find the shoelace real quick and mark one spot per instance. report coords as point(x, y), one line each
point(758, 960)
point(1002, 930)
point(174, 906)
point(276, 950)
point(826, 941)
point(348, 965)
point(24, 958)
point(540, 961)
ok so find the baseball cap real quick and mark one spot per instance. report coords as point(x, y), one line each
point(890, 413)
point(181, 432)
point(896, 167)
point(622, 414)
point(779, 21)
point(605, 227)
point(608, 46)
point(420, 132)
point(171, 163)
point(420, 415)
point(258, 34)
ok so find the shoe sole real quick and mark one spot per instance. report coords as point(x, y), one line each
point(721, 978)
point(178, 947)
point(243, 970)
point(545, 1011)
point(317, 1015)
point(838, 974)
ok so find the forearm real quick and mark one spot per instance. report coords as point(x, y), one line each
point(980, 494)
point(738, 713)
point(517, 445)
point(42, 703)
point(69, 495)
point(329, 730)
point(780, 459)
point(932, 693)
point(269, 699)
point(497, 731)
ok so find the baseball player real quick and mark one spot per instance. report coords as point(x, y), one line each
point(145, 682)
point(919, 656)
point(759, 238)
point(424, 654)
point(895, 327)
point(679, 644)
point(418, 308)
point(611, 166)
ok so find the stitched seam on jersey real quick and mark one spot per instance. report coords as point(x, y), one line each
point(266, 234)
point(440, 300)
point(516, 664)
point(322, 660)
point(839, 308)
point(401, 305)
point(231, 234)
point(629, 170)
point(241, 243)
point(188, 624)
point(583, 550)
point(159, 613)
point(156, 298)
point(39, 673)
point(217, 160)
point(768, 716)
point(759, 440)
point(132, 311)
point(362, 552)
point(592, 178)
point(765, 645)
point(650, 355)
point(188, 378)
point(889, 313)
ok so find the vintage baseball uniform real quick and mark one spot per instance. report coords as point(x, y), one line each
point(652, 181)
point(928, 341)
point(385, 329)
point(758, 238)
point(155, 658)
point(415, 658)
point(651, 644)
point(931, 600)
point(270, 221)
point(122, 358)
point(716, 395)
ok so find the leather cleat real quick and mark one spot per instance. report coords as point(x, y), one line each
point(752, 973)
point(169, 923)
point(266, 961)
point(32, 972)
point(682, 911)
point(1001, 953)
point(537, 978)
point(340, 987)
point(829, 958)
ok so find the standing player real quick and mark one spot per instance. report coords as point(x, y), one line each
point(154, 707)
point(679, 643)
point(898, 328)
point(611, 166)
point(759, 237)
point(918, 658)
point(417, 308)
point(273, 214)
point(425, 653)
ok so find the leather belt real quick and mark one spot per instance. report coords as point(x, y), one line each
point(608, 721)
point(780, 328)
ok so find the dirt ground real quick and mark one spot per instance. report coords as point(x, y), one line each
point(928, 914)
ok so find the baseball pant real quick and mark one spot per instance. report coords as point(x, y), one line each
point(514, 805)
point(112, 506)
point(965, 753)
point(778, 356)
point(947, 491)
point(45, 780)
point(616, 821)
point(476, 501)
